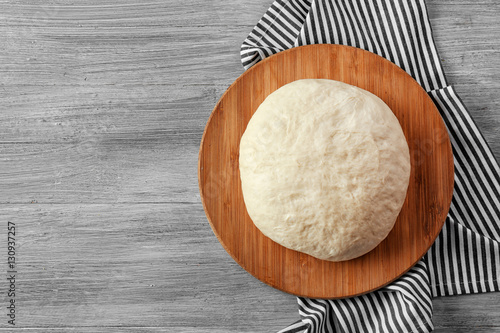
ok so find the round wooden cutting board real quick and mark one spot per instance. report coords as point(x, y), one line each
point(427, 201)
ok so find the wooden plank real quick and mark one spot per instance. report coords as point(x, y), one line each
point(220, 327)
point(135, 329)
point(93, 171)
point(109, 13)
point(467, 35)
point(86, 56)
point(128, 114)
point(467, 313)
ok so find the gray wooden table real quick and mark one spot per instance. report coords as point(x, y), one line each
point(103, 104)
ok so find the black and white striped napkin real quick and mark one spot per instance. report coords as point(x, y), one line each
point(466, 255)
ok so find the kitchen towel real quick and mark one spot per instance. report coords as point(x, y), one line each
point(465, 257)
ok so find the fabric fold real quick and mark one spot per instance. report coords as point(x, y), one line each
point(276, 31)
point(402, 307)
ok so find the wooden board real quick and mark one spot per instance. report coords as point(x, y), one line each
point(423, 213)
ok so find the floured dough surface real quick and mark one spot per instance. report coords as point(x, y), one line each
point(324, 168)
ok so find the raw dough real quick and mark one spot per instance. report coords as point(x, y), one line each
point(324, 168)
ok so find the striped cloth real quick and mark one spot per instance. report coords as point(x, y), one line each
point(466, 255)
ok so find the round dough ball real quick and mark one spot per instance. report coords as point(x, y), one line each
point(324, 168)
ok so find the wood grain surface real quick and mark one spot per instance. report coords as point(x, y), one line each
point(102, 109)
point(428, 196)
